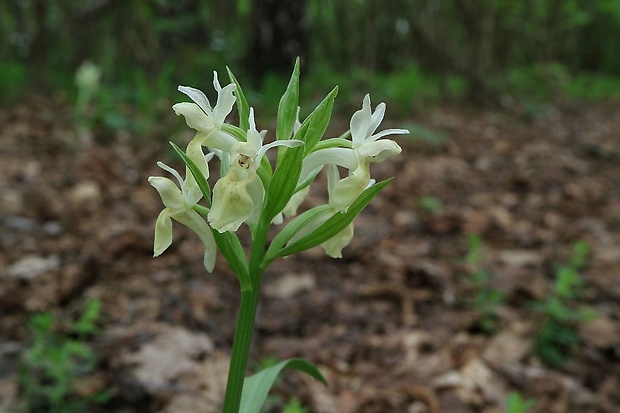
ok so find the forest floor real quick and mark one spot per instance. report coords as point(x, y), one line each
point(392, 325)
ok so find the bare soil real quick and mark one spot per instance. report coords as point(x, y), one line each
point(391, 324)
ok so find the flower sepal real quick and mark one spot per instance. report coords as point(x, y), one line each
point(197, 173)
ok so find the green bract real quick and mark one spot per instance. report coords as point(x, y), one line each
point(261, 193)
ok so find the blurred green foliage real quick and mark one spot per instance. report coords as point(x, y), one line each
point(487, 299)
point(430, 204)
point(515, 403)
point(559, 337)
point(54, 367)
point(294, 406)
point(13, 78)
point(413, 52)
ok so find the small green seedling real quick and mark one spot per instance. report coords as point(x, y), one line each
point(51, 367)
point(558, 336)
point(516, 404)
point(431, 204)
point(487, 298)
point(294, 406)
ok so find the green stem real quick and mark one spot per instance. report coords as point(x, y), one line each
point(245, 324)
point(240, 351)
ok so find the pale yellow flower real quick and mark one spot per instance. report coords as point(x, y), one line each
point(366, 147)
point(178, 206)
point(238, 196)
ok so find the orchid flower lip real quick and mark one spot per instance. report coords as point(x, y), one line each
point(238, 195)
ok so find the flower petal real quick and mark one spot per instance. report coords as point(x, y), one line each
point(293, 204)
point(163, 232)
point(257, 194)
point(171, 171)
point(334, 246)
point(194, 116)
point(375, 119)
point(297, 123)
point(195, 153)
point(289, 143)
point(386, 133)
point(220, 140)
point(378, 151)
point(332, 156)
point(342, 193)
point(196, 223)
point(225, 102)
point(278, 219)
point(333, 176)
point(360, 122)
point(170, 194)
point(254, 137)
point(216, 82)
point(198, 97)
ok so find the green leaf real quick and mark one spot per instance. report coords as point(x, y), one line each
point(242, 103)
point(224, 163)
point(308, 180)
point(473, 256)
point(198, 176)
point(86, 323)
point(284, 180)
point(236, 132)
point(317, 122)
point(256, 387)
point(585, 315)
point(287, 109)
point(265, 173)
point(580, 255)
point(233, 252)
point(335, 224)
point(333, 143)
point(290, 160)
point(516, 404)
point(292, 228)
point(42, 324)
point(557, 309)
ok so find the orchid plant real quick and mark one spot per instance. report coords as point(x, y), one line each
point(255, 192)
